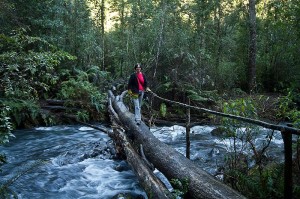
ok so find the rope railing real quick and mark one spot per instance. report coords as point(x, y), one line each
point(286, 133)
point(244, 119)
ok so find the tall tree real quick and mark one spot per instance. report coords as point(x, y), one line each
point(98, 9)
point(252, 47)
point(102, 31)
point(160, 37)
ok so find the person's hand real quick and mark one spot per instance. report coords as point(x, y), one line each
point(133, 95)
point(148, 89)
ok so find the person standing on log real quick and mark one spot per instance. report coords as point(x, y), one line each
point(137, 85)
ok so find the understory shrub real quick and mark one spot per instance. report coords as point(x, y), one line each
point(247, 167)
point(85, 96)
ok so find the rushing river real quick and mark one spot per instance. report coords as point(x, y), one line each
point(78, 162)
point(75, 165)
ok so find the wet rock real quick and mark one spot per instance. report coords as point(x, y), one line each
point(84, 156)
point(219, 131)
point(102, 149)
point(96, 152)
point(214, 152)
point(111, 147)
point(122, 166)
point(128, 196)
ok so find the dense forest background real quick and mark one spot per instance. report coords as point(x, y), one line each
point(196, 45)
point(74, 50)
point(51, 48)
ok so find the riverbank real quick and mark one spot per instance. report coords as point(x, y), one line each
point(55, 112)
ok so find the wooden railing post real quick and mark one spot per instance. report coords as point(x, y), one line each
point(288, 165)
point(188, 130)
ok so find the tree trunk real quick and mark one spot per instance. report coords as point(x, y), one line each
point(102, 32)
point(252, 47)
point(160, 40)
point(188, 130)
point(152, 185)
point(168, 161)
point(142, 168)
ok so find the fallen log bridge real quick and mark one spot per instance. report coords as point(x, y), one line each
point(164, 158)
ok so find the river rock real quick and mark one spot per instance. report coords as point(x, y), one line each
point(122, 166)
point(128, 196)
point(219, 131)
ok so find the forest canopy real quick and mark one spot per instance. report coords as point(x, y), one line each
point(51, 48)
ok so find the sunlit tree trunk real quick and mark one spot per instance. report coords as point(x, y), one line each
point(124, 41)
point(160, 39)
point(100, 23)
point(252, 47)
point(159, 46)
point(102, 31)
point(218, 15)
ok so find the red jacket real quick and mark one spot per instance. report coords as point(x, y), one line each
point(133, 83)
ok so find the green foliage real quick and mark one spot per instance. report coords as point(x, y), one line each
point(238, 130)
point(264, 179)
point(278, 60)
point(28, 72)
point(81, 91)
point(228, 75)
point(240, 107)
point(202, 43)
point(202, 96)
point(82, 116)
point(49, 119)
point(254, 184)
point(166, 86)
point(163, 110)
point(288, 108)
point(5, 129)
point(181, 187)
point(68, 25)
point(5, 124)
point(22, 110)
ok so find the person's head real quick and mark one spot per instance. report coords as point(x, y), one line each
point(138, 67)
